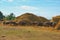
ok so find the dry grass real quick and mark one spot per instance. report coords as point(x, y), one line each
point(29, 17)
point(28, 33)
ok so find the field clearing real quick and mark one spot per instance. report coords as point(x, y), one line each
point(28, 33)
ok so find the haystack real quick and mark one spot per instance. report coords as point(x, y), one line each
point(56, 18)
point(58, 26)
point(30, 18)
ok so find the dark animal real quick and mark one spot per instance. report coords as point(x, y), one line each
point(34, 23)
point(40, 24)
point(22, 23)
point(13, 23)
point(6, 22)
point(37, 23)
point(49, 24)
point(53, 24)
point(9, 22)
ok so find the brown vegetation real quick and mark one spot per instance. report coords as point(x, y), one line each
point(56, 18)
point(31, 18)
point(58, 26)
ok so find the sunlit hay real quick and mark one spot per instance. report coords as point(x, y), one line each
point(30, 17)
point(58, 26)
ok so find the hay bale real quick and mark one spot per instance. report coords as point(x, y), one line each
point(58, 26)
point(56, 19)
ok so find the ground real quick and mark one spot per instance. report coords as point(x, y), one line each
point(28, 33)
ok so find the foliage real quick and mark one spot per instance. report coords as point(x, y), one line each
point(10, 17)
point(1, 16)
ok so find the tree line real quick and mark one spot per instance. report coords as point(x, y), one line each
point(11, 16)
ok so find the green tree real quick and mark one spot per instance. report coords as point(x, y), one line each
point(1, 16)
point(10, 17)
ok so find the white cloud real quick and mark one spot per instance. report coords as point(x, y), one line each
point(10, 0)
point(28, 8)
point(24, 9)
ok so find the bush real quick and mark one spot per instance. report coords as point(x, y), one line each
point(10, 17)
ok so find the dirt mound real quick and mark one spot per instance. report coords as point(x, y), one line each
point(30, 18)
point(56, 19)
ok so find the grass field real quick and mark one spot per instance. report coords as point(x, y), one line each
point(28, 33)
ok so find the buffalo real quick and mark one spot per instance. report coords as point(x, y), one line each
point(22, 23)
point(6, 22)
point(51, 24)
point(33, 23)
point(13, 23)
point(37, 23)
point(40, 24)
point(9, 22)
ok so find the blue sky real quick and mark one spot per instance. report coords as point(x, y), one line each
point(45, 8)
